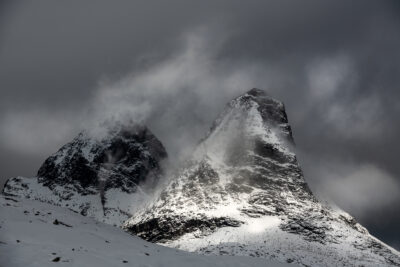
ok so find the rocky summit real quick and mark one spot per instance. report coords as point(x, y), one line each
point(243, 193)
point(105, 176)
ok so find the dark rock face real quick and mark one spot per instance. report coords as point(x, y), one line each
point(127, 157)
point(307, 228)
point(78, 170)
point(170, 228)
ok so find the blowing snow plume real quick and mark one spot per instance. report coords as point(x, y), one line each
point(178, 97)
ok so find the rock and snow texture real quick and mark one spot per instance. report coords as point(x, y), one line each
point(106, 176)
point(37, 234)
point(243, 193)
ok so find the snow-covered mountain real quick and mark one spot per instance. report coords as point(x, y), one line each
point(243, 193)
point(106, 175)
point(37, 234)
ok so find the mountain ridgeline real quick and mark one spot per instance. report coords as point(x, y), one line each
point(242, 192)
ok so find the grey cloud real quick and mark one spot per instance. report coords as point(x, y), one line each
point(360, 187)
point(28, 132)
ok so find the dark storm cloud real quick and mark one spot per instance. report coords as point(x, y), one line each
point(174, 64)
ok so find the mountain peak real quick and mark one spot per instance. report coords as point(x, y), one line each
point(245, 163)
point(271, 109)
point(244, 193)
point(248, 121)
point(95, 171)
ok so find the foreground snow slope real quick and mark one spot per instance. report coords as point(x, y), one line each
point(33, 233)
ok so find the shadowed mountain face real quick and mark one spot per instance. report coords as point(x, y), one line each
point(243, 193)
point(123, 159)
point(103, 176)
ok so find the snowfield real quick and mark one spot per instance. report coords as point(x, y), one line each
point(33, 233)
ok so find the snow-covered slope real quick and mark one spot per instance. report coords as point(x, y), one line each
point(106, 176)
point(36, 234)
point(243, 193)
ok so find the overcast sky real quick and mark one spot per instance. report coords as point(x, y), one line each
point(64, 66)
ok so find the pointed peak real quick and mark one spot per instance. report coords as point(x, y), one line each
point(260, 96)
